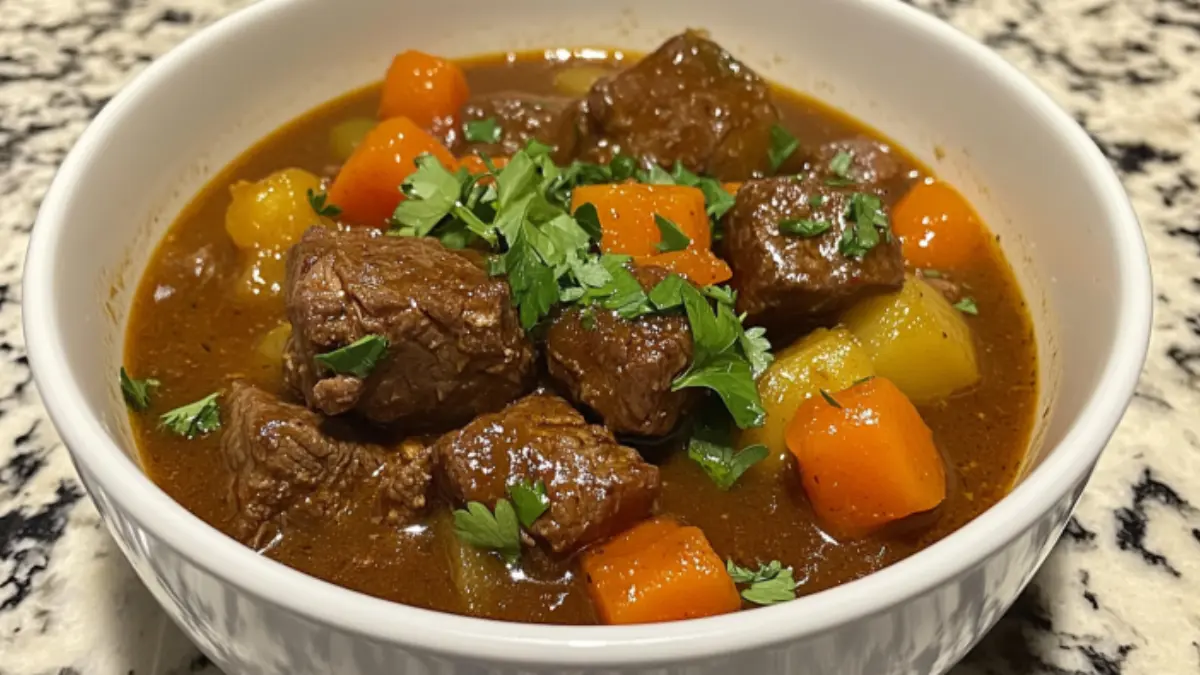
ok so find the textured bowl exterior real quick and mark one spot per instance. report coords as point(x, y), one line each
point(1074, 242)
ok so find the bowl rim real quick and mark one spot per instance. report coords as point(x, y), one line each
point(95, 453)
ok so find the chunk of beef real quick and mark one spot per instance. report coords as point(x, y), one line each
point(691, 102)
point(622, 369)
point(784, 279)
point(455, 350)
point(596, 486)
point(289, 464)
point(872, 164)
point(519, 117)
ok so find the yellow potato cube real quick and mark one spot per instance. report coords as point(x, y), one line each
point(272, 214)
point(917, 340)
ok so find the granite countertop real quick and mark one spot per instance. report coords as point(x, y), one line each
point(1120, 594)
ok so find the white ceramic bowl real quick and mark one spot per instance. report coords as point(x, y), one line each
point(1035, 176)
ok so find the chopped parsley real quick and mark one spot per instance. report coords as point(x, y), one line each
point(357, 358)
point(770, 584)
point(194, 419)
point(482, 131)
point(839, 166)
point(673, 238)
point(711, 446)
point(967, 306)
point(317, 200)
point(498, 531)
point(830, 399)
point(783, 144)
point(720, 360)
point(816, 199)
point(868, 224)
point(530, 501)
point(716, 199)
point(137, 392)
point(804, 227)
point(656, 175)
point(931, 274)
point(549, 257)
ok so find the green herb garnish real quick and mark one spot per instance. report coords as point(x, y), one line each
point(357, 358)
point(530, 500)
point(868, 224)
point(717, 201)
point(720, 462)
point(783, 144)
point(967, 306)
point(804, 227)
point(137, 392)
point(673, 238)
point(931, 274)
point(830, 399)
point(589, 219)
point(839, 166)
point(194, 419)
point(498, 531)
point(482, 131)
point(719, 360)
point(317, 200)
point(770, 584)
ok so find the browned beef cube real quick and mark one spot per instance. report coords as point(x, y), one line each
point(289, 464)
point(456, 348)
point(872, 165)
point(596, 486)
point(786, 279)
point(622, 369)
point(690, 101)
point(519, 118)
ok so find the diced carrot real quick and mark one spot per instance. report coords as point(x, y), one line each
point(423, 88)
point(937, 227)
point(658, 570)
point(699, 265)
point(368, 186)
point(732, 188)
point(866, 461)
point(627, 213)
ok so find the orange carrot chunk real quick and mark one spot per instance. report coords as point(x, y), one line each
point(937, 227)
point(866, 458)
point(423, 88)
point(656, 571)
point(627, 211)
point(368, 186)
point(699, 266)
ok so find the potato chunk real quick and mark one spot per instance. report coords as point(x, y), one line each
point(832, 360)
point(264, 219)
point(917, 340)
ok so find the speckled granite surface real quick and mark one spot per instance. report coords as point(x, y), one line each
point(1120, 595)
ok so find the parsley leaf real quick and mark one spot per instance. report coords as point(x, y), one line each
point(531, 501)
point(967, 306)
point(721, 464)
point(783, 144)
point(719, 361)
point(840, 164)
point(668, 293)
point(804, 227)
point(194, 419)
point(482, 131)
point(931, 274)
point(137, 392)
point(621, 168)
point(317, 201)
point(499, 532)
point(868, 222)
point(357, 358)
point(816, 199)
point(656, 175)
point(770, 584)
point(717, 200)
point(431, 192)
point(723, 294)
point(757, 348)
point(589, 219)
point(830, 399)
point(673, 238)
